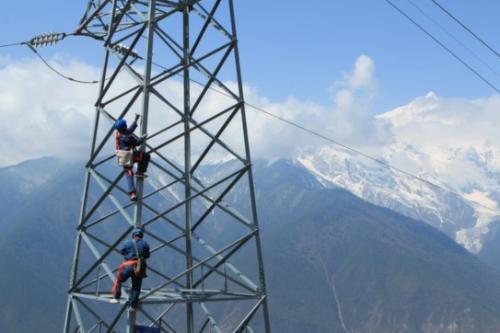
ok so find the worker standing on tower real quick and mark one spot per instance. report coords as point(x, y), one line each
point(135, 252)
point(126, 142)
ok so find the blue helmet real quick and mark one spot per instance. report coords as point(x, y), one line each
point(138, 232)
point(121, 124)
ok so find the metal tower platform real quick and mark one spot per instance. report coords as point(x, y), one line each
point(176, 63)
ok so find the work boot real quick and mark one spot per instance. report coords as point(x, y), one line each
point(133, 308)
point(133, 196)
point(114, 300)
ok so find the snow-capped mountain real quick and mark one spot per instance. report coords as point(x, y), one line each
point(426, 143)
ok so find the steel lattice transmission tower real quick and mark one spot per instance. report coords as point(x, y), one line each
point(176, 63)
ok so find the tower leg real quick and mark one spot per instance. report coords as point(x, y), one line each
point(131, 316)
point(67, 319)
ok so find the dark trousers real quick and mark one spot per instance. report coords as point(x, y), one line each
point(142, 160)
point(125, 271)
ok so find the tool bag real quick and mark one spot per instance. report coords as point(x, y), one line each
point(140, 267)
point(125, 157)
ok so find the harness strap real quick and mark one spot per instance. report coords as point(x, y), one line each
point(117, 140)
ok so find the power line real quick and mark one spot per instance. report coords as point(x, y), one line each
point(261, 110)
point(474, 54)
point(354, 150)
point(58, 72)
point(46, 39)
point(32, 47)
point(324, 137)
point(463, 62)
point(466, 28)
point(11, 44)
point(359, 152)
point(298, 126)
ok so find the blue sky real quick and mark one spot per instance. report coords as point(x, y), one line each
point(301, 48)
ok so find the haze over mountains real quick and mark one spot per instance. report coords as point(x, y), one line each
point(333, 261)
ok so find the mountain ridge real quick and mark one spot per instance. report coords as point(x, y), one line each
point(333, 261)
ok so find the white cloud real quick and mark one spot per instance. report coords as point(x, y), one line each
point(41, 114)
point(45, 115)
point(450, 141)
point(447, 121)
point(349, 119)
point(363, 73)
point(456, 135)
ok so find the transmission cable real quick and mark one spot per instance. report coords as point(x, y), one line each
point(463, 62)
point(44, 40)
point(11, 44)
point(466, 28)
point(351, 149)
point(474, 54)
point(32, 46)
point(354, 150)
point(299, 126)
point(58, 72)
point(365, 155)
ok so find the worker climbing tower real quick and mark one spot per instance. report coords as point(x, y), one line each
point(176, 64)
